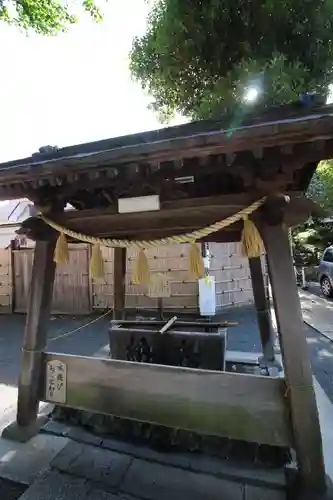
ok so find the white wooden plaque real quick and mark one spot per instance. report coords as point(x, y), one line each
point(139, 204)
point(159, 286)
point(56, 381)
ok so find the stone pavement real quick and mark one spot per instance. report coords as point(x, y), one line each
point(325, 409)
point(318, 317)
point(22, 461)
point(95, 468)
point(317, 313)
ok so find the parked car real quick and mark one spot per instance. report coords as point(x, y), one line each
point(325, 272)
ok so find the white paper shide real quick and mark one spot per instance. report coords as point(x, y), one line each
point(207, 296)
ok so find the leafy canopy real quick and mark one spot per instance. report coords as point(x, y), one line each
point(310, 239)
point(198, 57)
point(46, 17)
point(321, 186)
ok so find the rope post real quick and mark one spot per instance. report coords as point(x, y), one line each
point(34, 342)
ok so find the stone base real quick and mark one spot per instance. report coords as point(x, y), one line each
point(271, 368)
point(324, 495)
point(297, 491)
point(164, 439)
point(22, 434)
point(303, 494)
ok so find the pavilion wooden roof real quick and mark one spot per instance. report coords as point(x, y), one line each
point(202, 171)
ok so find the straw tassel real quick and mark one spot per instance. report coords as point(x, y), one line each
point(96, 262)
point(252, 244)
point(141, 272)
point(196, 264)
point(61, 253)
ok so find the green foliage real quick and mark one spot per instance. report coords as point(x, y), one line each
point(95, 12)
point(321, 186)
point(46, 17)
point(198, 56)
point(311, 239)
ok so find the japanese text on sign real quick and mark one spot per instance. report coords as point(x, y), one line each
point(56, 381)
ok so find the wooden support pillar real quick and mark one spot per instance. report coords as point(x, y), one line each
point(12, 271)
point(34, 342)
point(119, 284)
point(298, 373)
point(263, 309)
point(160, 308)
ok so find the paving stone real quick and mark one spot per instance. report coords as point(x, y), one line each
point(224, 469)
point(258, 493)
point(96, 494)
point(101, 495)
point(66, 456)
point(83, 436)
point(156, 482)
point(93, 463)
point(23, 462)
point(120, 446)
point(173, 459)
point(57, 428)
point(53, 485)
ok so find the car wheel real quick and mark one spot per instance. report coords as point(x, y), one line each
point(326, 287)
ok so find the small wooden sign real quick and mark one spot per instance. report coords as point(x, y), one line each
point(139, 204)
point(159, 286)
point(56, 381)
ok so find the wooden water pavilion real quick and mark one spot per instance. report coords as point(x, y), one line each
point(201, 173)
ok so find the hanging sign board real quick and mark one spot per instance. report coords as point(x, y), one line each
point(159, 286)
point(56, 381)
point(207, 297)
point(138, 204)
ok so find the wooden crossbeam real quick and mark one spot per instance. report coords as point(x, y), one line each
point(232, 405)
point(175, 217)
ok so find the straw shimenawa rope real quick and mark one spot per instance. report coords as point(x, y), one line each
point(181, 238)
point(252, 245)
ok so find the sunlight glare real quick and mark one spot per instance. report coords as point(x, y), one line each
point(251, 95)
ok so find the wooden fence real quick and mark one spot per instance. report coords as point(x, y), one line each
point(71, 291)
point(76, 293)
point(6, 280)
point(171, 259)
